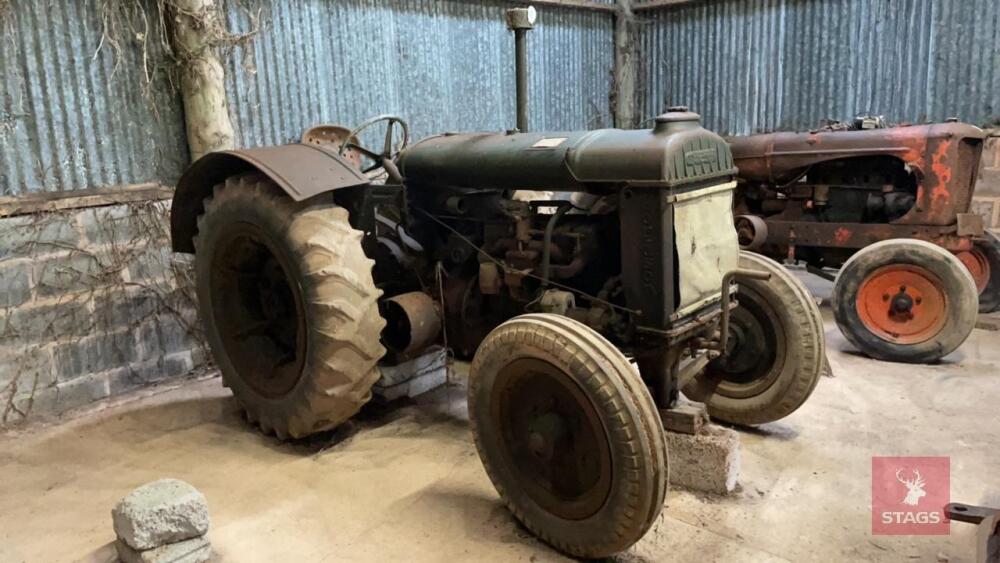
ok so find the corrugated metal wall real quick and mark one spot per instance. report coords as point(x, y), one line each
point(443, 65)
point(762, 65)
point(70, 117)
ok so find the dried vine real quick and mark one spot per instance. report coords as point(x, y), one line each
point(95, 285)
point(144, 26)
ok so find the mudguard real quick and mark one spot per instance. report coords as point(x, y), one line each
point(301, 170)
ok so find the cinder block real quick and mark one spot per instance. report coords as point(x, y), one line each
point(159, 513)
point(81, 391)
point(708, 461)
point(164, 334)
point(988, 184)
point(43, 402)
point(141, 373)
point(34, 325)
point(106, 225)
point(195, 550)
point(26, 368)
point(414, 377)
point(66, 274)
point(117, 309)
point(33, 235)
point(151, 263)
point(15, 283)
point(94, 354)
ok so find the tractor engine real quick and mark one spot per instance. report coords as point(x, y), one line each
point(505, 224)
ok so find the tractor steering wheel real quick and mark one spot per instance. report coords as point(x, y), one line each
point(389, 152)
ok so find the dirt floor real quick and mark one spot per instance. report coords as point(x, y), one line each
point(405, 483)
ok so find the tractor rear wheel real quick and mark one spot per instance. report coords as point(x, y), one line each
point(905, 300)
point(776, 351)
point(289, 306)
point(983, 262)
point(568, 433)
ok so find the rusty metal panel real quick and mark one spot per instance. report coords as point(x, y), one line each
point(753, 66)
point(70, 118)
point(445, 65)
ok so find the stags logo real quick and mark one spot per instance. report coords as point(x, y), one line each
point(914, 488)
point(909, 494)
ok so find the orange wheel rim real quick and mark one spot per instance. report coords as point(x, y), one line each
point(978, 265)
point(902, 303)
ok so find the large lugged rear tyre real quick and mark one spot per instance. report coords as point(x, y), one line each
point(775, 354)
point(568, 433)
point(905, 300)
point(289, 306)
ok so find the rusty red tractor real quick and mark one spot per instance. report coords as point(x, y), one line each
point(889, 207)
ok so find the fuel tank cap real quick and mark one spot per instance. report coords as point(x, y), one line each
point(677, 118)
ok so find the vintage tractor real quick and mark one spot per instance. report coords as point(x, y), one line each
point(890, 207)
point(586, 315)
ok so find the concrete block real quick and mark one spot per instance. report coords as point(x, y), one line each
point(43, 402)
point(93, 354)
point(989, 181)
point(45, 323)
point(117, 309)
point(81, 391)
point(66, 274)
point(15, 283)
point(164, 334)
point(151, 263)
point(111, 224)
point(138, 374)
point(414, 377)
point(990, 322)
point(26, 367)
point(32, 235)
point(708, 461)
point(159, 513)
point(195, 550)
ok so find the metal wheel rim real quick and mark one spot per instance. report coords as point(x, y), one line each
point(978, 265)
point(552, 438)
point(880, 294)
point(757, 342)
point(258, 310)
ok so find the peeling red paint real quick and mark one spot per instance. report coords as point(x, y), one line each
point(940, 177)
point(841, 235)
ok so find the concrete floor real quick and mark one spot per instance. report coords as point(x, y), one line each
point(406, 484)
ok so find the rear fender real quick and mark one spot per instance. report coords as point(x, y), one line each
point(301, 170)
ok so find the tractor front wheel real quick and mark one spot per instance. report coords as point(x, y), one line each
point(905, 300)
point(568, 433)
point(775, 354)
point(289, 306)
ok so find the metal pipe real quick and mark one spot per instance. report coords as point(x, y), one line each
point(521, 21)
point(550, 227)
point(521, 49)
point(413, 322)
point(727, 300)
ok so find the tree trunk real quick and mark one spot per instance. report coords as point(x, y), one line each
point(203, 86)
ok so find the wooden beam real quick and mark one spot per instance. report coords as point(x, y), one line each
point(54, 201)
point(625, 67)
point(654, 4)
point(572, 4)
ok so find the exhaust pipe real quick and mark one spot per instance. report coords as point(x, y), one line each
point(521, 21)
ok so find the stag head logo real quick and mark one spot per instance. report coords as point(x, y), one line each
point(914, 487)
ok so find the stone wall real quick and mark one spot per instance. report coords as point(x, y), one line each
point(92, 304)
point(987, 198)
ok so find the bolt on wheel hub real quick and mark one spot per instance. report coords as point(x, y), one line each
point(553, 438)
point(902, 303)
